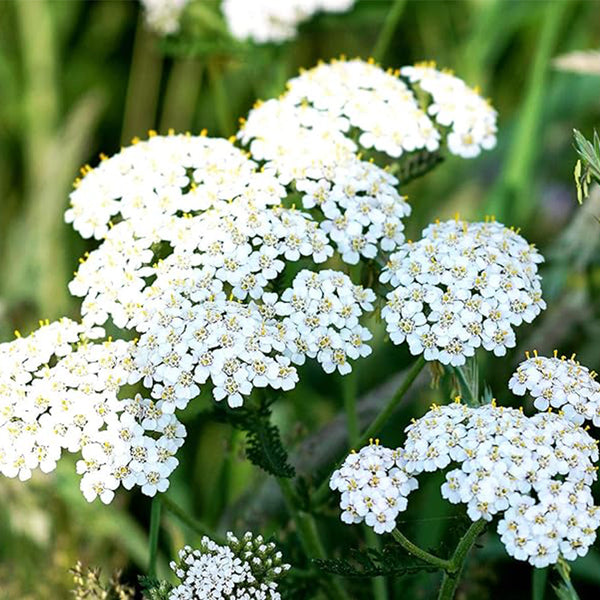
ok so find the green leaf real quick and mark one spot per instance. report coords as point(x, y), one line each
point(392, 560)
point(264, 447)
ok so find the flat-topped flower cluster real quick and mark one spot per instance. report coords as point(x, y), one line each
point(195, 236)
point(462, 286)
point(534, 472)
point(560, 383)
point(60, 391)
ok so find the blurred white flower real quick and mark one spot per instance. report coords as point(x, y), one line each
point(162, 16)
point(264, 21)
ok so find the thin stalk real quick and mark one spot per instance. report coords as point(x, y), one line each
point(349, 392)
point(309, 536)
point(415, 550)
point(385, 414)
point(539, 579)
point(452, 575)
point(378, 584)
point(388, 29)
point(195, 525)
point(377, 423)
point(153, 538)
point(470, 400)
point(181, 95)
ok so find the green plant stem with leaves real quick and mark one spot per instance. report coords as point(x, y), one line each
point(323, 490)
point(309, 536)
point(457, 562)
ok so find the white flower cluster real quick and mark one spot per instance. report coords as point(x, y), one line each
point(202, 199)
point(535, 471)
point(55, 397)
point(264, 21)
point(322, 319)
point(462, 286)
point(195, 334)
point(247, 569)
point(559, 383)
point(470, 120)
point(374, 487)
point(377, 103)
point(356, 201)
point(163, 16)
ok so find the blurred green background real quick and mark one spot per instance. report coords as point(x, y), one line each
point(78, 78)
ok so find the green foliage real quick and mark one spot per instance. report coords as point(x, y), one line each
point(391, 560)
point(588, 166)
point(416, 165)
point(88, 585)
point(264, 447)
point(153, 589)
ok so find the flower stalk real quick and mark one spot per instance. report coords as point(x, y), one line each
point(153, 536)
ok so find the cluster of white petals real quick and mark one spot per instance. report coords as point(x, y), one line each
point(355, 201)
point(362, 96)
point(322, 312)
point(59, 391)
point(374, 486)
point(264, 21)
point(560, 383)
point(247, 569)
point(193, 333)
point(462, 286)
point(205, 203)
point(536, 472)
point(469, 119)
point(163, 16)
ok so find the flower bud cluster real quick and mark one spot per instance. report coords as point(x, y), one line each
point(462, 286)
point(374, 487)
point(469, 120)
point(560, 383)
point(248, 568)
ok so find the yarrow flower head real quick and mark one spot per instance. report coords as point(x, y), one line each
point(560, 383)
point(355, 201)
point(468, 119)
point(461, 286)
point(59, 391)
point(374, 486)
point(248, 568)
point(363, 97)
point(536, 472)
point(263, 21)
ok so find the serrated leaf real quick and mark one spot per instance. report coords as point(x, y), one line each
point(264, 446)
point(390, 561)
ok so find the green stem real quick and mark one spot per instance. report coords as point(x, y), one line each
point(349, 393)
point(385, 414)
point(309, 536)
point(452, 575)
point(415, 550)
point(323, 490)
point(379, 584)
point(153, 539)
point(189, 521)
point(387, 31)
point(539, 580)
point(468, 393)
